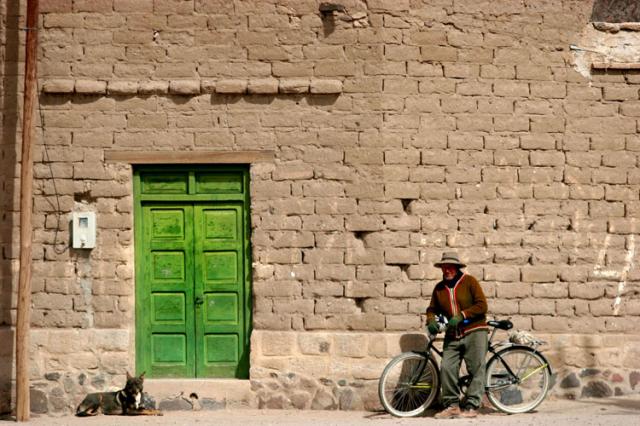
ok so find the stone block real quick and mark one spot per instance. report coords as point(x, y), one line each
point(231, 86)
point(207, 86)
point(314, 343)
point(184, 87)
point(273, 343)
point(351, 345)
point(115, 87)
point(153, 87)
point(91, 87)
point(294, 86)
point(319, 86)
point(403, 322)
point(263, 86)
point(58, 86)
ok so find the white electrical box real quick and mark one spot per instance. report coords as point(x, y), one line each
point(83, 230)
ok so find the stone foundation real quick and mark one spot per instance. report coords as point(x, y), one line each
point(341, 370)
point(297, 370)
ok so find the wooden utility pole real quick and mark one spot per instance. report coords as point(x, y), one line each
point(26, 210)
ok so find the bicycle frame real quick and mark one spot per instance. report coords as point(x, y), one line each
point(495, 350)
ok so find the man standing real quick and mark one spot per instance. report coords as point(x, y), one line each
point(461, 300)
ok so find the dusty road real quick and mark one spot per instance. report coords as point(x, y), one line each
point(621, 411)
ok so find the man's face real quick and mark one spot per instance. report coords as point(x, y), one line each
point(448, 271)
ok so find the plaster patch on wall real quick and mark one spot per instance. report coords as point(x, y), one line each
point(628, 264)
point(596, 45)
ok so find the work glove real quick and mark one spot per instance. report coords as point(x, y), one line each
point(432, 327)
point(454, 321)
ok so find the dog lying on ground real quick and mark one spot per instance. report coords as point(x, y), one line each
point(123, 402)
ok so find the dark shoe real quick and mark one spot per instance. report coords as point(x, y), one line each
point(451, 412)
point(469, 414)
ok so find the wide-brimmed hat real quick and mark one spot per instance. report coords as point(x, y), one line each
point(449, 258)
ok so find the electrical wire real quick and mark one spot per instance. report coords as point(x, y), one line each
point(48, 161)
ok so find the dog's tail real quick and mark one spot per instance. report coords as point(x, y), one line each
point(86, 408)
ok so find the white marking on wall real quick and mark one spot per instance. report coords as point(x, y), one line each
point(597, 269)
point(628, 264)
point(612, 274)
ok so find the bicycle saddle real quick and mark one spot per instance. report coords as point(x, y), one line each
point(502, 324)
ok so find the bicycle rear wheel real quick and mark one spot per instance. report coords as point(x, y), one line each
point(408, 385)
point(523, 390)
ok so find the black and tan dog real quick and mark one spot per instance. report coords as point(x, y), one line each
point(123, 402)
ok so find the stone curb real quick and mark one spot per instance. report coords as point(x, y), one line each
point(258, 86)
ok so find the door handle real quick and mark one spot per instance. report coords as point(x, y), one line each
point(198, 301)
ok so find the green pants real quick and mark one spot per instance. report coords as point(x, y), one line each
point(473, 349)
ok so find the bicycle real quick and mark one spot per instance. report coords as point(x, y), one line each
point(517, 379)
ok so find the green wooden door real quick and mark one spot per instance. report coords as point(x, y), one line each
point(192, 266)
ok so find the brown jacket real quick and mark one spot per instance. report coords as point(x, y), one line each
point(465, 298)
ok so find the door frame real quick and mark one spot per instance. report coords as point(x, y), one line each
point(138, 200)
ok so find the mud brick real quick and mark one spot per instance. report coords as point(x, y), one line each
point(511, 89)
point(461, 71)
point(364, 289)
point(438, 54)
point(503, 306)
point(586, 192)
point(537, 307)
point(377, 272)
point(401, 53)
point(322, 288)
point(403, 322)
point(421, 69)
point(533, 72)
point(621, 93)
point(513, 290)
point(293, 306)
point(334, 305)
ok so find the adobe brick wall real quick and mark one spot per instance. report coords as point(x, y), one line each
point(399, 131)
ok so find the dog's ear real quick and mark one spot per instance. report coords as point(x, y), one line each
point(142, 375)
point(129, 376)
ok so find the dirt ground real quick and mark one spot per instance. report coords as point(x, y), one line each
point(620, 411)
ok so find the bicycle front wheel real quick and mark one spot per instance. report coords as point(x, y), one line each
point(408, 385)
point(523, 385)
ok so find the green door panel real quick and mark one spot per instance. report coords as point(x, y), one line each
point(164, 183)
point(217, 183)
point(192, 272)
point(167, 276)
point(220, 279)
